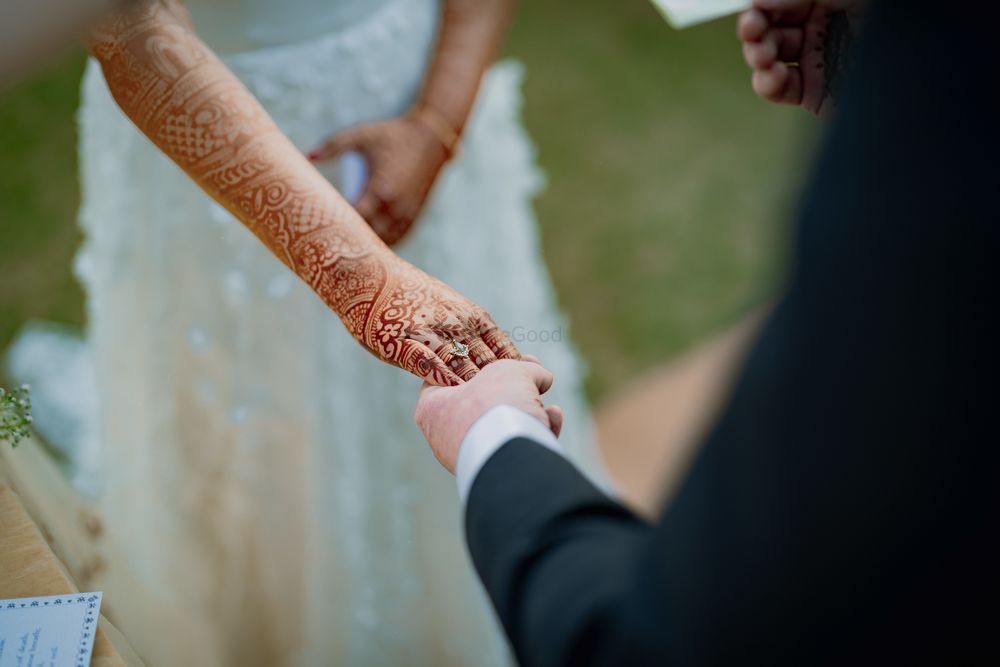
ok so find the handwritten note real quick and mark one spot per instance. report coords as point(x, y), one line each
point(685, 13)
point(51, 631)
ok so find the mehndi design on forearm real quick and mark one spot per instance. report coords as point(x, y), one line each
point(195, 110)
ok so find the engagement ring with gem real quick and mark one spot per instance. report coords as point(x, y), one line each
point(459, 349)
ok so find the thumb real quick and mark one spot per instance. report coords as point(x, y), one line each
point(426, 394)
point(427, 390)
point(540, 376)
point(347, 140)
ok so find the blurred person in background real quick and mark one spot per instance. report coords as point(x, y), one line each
point(843, 507)
point(253, 471)
point(31, 32)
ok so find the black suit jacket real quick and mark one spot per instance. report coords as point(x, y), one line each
point(845, 507)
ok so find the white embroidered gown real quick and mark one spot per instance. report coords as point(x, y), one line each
point(268, 496)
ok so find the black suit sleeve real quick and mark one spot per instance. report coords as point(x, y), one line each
point(555, 564)
point(843, 507)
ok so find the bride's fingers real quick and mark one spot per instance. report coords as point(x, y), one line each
point(335, 145)
point(461, 366)
point(403, 212)
point(464, 368)
point(368, 204)
point(419, 360)
point(381, 225)
point(392, 236)
point(395, 231)
point(500, 343)
point(480, 353)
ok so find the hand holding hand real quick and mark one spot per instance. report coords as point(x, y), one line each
point(797, 50)
point(445, 414)
point(404, 158)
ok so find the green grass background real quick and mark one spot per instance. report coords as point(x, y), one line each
point(670, 184)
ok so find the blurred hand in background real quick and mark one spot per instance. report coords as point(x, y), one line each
point(798, 50)
point(406, 154)
point(404, 157)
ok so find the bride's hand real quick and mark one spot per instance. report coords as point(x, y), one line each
point(404, 159)
point(410, 320)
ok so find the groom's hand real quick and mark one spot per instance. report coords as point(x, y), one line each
point(445, 414)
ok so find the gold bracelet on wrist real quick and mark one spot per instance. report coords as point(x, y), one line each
point(449, 137)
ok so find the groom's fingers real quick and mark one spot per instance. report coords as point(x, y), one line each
point(556, 419)
point(367, 204)
point(541, 376)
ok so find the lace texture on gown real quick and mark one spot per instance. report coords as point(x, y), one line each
point(260, 474)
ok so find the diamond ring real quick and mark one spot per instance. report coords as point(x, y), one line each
point(459, 349)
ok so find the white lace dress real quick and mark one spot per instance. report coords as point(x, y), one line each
point(268, 497)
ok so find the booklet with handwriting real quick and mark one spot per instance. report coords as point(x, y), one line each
point(685, 13)
point(50, 631)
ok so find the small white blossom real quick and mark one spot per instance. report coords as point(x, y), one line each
point(15, 414)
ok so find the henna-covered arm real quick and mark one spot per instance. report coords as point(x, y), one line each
point(197, 112)
point(471, 33)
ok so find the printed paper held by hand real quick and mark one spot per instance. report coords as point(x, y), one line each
point(686, 13)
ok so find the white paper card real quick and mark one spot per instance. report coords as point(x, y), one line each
point(685, 13)
point(51, 631)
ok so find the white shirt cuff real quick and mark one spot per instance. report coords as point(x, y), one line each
point(498, 426)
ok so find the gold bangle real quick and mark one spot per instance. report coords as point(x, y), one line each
point(439, 125)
